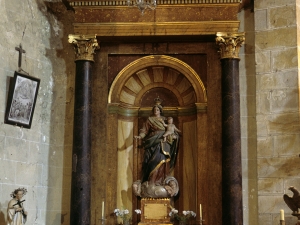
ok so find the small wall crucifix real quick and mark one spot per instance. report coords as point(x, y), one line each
point(20, 50)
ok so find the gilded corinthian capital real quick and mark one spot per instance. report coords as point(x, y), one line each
point(229, 44)
point(84, 45)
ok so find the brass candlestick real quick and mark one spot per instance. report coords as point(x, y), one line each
point(201, 221)
point(102, 221)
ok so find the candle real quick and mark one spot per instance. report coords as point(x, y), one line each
point(281, 214)
point(102, 209)
point(200, 208)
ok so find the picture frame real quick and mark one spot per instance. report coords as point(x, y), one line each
point(22, 95)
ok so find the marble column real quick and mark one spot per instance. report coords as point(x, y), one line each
point(232, 207)
point(81, 162)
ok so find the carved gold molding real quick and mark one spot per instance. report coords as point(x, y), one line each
point(127, 111)
point(159, 2)
point(201, 107)
point(229, 44)
point(156, 29)
point(84, 45)
point(131, 111)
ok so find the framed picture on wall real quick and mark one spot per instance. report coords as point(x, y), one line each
point(21, 100)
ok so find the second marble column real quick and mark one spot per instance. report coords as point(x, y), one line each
point(232, 207)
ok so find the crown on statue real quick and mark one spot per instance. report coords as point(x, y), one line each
point(157, 101)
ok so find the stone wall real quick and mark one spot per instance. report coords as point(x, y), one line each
point(277, 106)
point(248, 118)
point(38, 158)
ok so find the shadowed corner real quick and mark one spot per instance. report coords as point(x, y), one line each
point(247, 4)
point(2, 216)
point(59, 219)
point(62, 218)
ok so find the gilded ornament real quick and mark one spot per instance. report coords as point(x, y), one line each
point(85, 46)
point(230, 44)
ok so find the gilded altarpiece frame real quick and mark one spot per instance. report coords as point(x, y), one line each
point(174, 28)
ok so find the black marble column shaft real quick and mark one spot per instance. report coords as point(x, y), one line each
point(231, 144)
point(81, 168)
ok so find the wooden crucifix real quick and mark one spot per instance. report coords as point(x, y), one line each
point(20, 50)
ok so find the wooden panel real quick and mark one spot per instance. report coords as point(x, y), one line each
point(189, 156)
point(133, 85)
point(172, 76)
point(214, 150)
point(158, 73)
point(144, 77)
point(183, 85)
point(203, 176)
point(127, 97)
point(103, 156)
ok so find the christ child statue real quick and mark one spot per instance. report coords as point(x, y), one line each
point(170, 129)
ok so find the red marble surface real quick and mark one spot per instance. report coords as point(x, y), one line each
point(160, 14)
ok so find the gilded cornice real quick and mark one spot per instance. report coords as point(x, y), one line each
point(130, 111)
point(84, 46)
point(201, 107)
point(229, 44)
point(159, 2)
point(123, 29)
point(170, 111)
point(113, 19)
point(127, 111)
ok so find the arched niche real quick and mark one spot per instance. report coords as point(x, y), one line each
point(130, 100)
point(153, 71)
